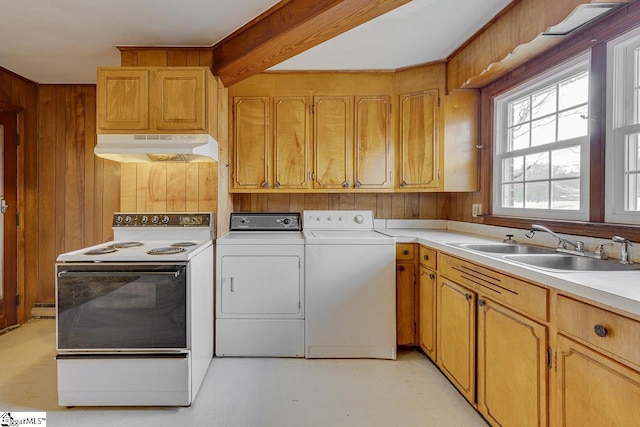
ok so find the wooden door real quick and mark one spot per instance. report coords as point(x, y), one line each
point(456, 311)
point(122, 97)
point(419, 140)
point(372, 156)
point(9, 242)
point(594, 390)
point(512, 367)
point(427, 312)
point(333, 154)
point(178, 99)
point(251, 143)
point(291, 143)
point(405, 303)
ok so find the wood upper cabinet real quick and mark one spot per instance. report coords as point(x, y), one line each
point(154, 100)
point(418, 148)
point(333, 152)
point(372, 157)
point(456, 332)
point(512, 367)
point(291, 143)
point(122, 99)
point(251, 143)
point(179, 99)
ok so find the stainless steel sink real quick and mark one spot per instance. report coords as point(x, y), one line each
point(498, 248)
point(570, 263)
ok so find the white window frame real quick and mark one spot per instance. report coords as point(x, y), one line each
point(620, 110)
point(500, 140)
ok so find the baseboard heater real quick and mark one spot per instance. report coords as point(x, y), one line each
point(43, 310)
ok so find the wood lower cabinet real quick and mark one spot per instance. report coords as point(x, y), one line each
point(406, 284)
point(456, 331)
point(594, 390)
point(512, 367)
point(427, 320)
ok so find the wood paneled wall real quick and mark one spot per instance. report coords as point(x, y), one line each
point(77, 192)
point(384, 206)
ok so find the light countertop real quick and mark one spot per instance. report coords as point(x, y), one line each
point(618, 289)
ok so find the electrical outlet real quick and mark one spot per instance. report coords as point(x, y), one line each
point(476, 209)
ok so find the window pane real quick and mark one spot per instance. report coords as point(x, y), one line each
point(512, 195)
point(512, 169)
point(574, 91)
point(519, 137)
point(565, 163)
point(636, 107)
point(519, 111)
point(633, 192)
point(537, 195)
point(544, 102)
point(565, 194)
point(632, 156)
point(573, 123)
point(543, 131)
point(537, 166)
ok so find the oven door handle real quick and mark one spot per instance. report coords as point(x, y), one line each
point(67, 273)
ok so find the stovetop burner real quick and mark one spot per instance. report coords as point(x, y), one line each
point(101, 251)
point(183, 244)
point(124, 245)
point(170, 250)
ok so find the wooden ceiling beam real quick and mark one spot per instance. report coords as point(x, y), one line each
point(287, 29)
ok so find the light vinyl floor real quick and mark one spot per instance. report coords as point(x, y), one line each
point(248, 392)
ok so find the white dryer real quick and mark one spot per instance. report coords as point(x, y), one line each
point(260, 286)
point(350, 286)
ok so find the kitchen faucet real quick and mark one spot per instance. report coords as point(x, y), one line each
point(624, 254)
point(562, 244)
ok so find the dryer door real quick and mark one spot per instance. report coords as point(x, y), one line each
point(260, 285)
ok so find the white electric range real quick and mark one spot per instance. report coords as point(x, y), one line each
point(134, 322)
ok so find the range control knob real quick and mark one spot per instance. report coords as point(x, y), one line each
point(165, 219)
point(196, 220)
point(127, 219)
point(286, 221)
point(359, 219)
point(119, 219)
point(155, 219)
point(144, 219)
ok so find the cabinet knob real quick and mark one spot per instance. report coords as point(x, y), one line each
point(403, 184)
point(276, 185)
point(265, 184)
point(426, 257)
point(600, 331)
point(432, 276)
point(481, 303)
point(467, 297)
point(401, 268)
point(345, 184)
point(357, 184)
point(405, 252)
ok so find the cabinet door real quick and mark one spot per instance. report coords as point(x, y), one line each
point(419, 140)
point(456, 310)
point(178, 99)
point(593, 390)
point(123, 99)
point(251, 142)
point(372, 157)
point(512, 367)
point(405, 303)
point(427, 312)
point(291, 142)
point(332, 142)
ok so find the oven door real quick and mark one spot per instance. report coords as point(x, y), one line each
point(121, 306)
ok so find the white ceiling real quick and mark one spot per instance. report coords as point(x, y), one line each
point(63, 41)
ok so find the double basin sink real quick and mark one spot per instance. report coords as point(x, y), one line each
point(546, 259)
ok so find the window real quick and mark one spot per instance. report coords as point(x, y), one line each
point(623, 129)
point(541, 158)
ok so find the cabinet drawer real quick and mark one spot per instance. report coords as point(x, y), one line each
point(405, 251)
point(517, 293)
point(428, 257)
point(620, 335)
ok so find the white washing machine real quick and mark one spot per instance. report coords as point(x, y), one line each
point(350, 286)
point(260, 289)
